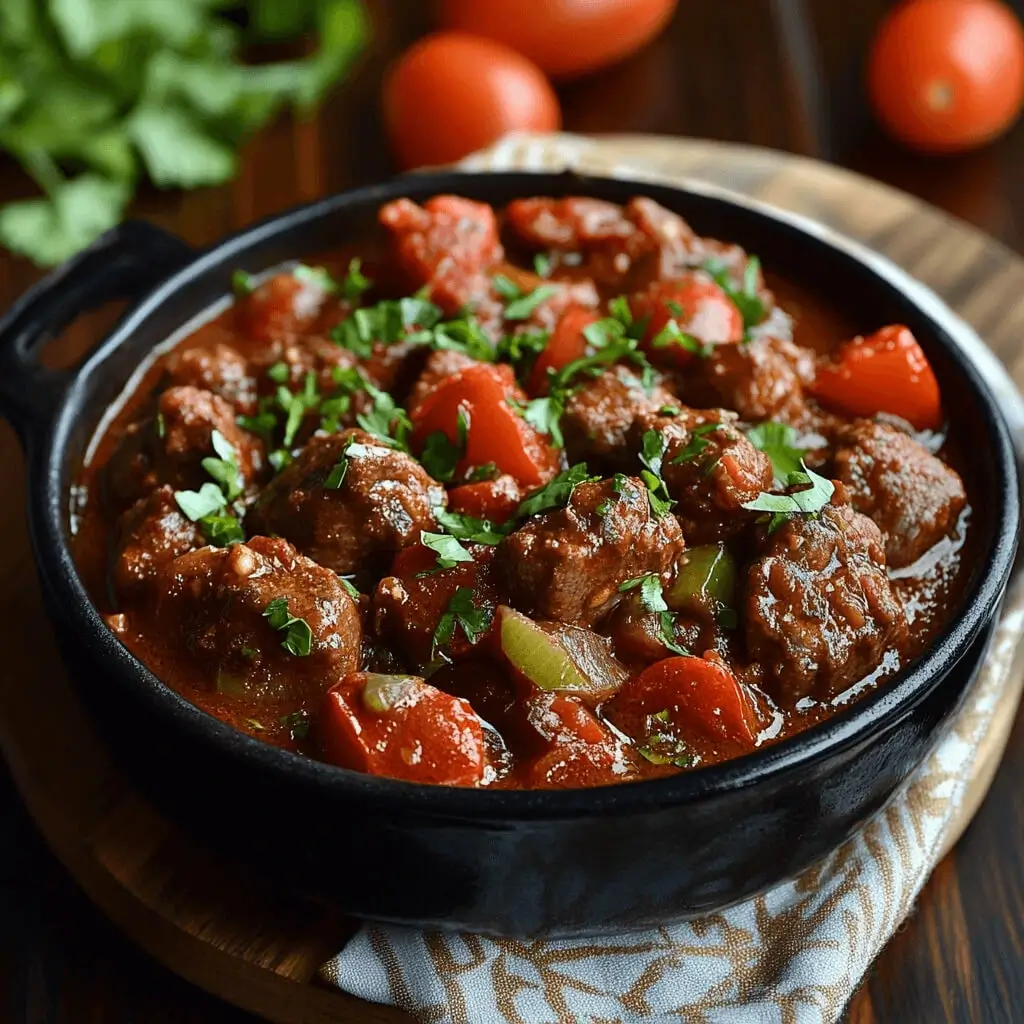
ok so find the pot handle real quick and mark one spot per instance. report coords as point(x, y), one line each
point(124, 263)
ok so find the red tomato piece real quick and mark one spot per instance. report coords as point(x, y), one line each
point(565, 344)
point(885, 372)
point(699, 694)
point(403, 728)
point(699, 307)
point(495, 500)
point(565, 37)
point(495, 430)
point(577, 749)
point(280, 309)
point(451, 93)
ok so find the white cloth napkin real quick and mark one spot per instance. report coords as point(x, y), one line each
point(795, 953)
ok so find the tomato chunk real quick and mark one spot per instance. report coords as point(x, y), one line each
point(495, 432)
point(403, 728)
point(701, 310)
point(884, 372)
point(698, 693)
point(576, 749)
point(495, 500)
point(566, 344)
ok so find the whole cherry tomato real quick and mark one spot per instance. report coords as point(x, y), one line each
point(564, 37)
point(450, 94)
point(946, 75)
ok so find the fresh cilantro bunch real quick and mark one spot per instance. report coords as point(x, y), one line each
point(96, 93)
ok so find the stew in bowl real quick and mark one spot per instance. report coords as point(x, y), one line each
point(549, 496)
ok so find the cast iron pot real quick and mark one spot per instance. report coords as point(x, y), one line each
point(515, 863)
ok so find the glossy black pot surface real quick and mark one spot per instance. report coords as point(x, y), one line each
point(560, 862)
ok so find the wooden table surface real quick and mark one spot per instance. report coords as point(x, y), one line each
point(778, 73)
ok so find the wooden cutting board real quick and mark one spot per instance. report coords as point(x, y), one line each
point(259, 947)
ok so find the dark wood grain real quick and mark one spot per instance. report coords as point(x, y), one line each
point(784, 74)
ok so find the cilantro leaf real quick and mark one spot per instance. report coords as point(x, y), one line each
point(464, 527)
point(298, 637)
point(556, 493)
point(651, 458)
point(242, 283)
point(350, 588)
point(447, 548)
point(316, 277)
point(542, 264)
point(263, 424)
point(506, 287)
point(745, 297)
point(809, 501)
point(778, 442)
point(650, 591)
point(440, 456)
point(461, 612)
point(386, 420)
point(222, 530)
point(297, 724)
point(355, 282)
point(204, 502)
point(672, 334)
point(697, 444)
point(224, 469)
point(520, 308)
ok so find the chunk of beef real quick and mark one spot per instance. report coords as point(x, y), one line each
point(447, 246)
point(820, 613)
point(170, 448)
point(710, 469)
point(761, 380)
point(216, 367)
point(568, 564)
point(153, 532)
point(348, 501)
point(280, 309)
point(912, 495)
point(213, 609)
point(598, 417)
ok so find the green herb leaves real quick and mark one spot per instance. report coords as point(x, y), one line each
point(206, 506)
point(461, 613)
point(697, 444)
point(744, 298)
point(652, 600)
point(96, 93)
point(224, 468)
point(808, 501)
point(298, 637)
point(199, 504)
point(521, 307)
point(447, 548)
point(557, 493)
point(468, 528)
point(651, 458)
point(778, 442)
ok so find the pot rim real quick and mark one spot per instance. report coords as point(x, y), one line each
point(864, 718)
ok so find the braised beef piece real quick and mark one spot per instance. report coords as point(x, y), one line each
point(709, 467)
point(280, 310)
point(216, 367)
point(763, 379)
point(568, 564)
point(170, 448)
point(449, 246)
point(599, 415)
point(348, 501)
point(820, 612)
point(913, 497)
point(153, 532)
point(211, 611)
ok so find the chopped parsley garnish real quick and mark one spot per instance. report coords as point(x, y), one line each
point(336, 477)
point(463, 527)
point(522, 348)
point(809, 501)
point(440, 456)
point(447, 548)
point(603, 507)
point(672, 334)
point(204, 502)
point(297, 724)
point(331, 411)
point(298, 637)
point(387, 322)
point(386, 420)
point(461, 613)
point(542, 264)
point(744, 298)
point(521, 306)
point(264, 423)
point(669, 410)
point(463, 335)
point(652, 599)
point(778, 442)
point(697, 444)
point(224, 468)
point(295, 405)
point(316, 277)
point(279, 373)
point(481, 474)
point(242, 283)
point(662, 747)
point(161, 426)
point(350, 588)
point(506, 287)
point(222, 530)
point(355, 283)
point(556, 493)
point(279, 458)
point(545, 415)
point(651, 457)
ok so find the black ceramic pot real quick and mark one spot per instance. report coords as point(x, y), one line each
point(519, 863)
